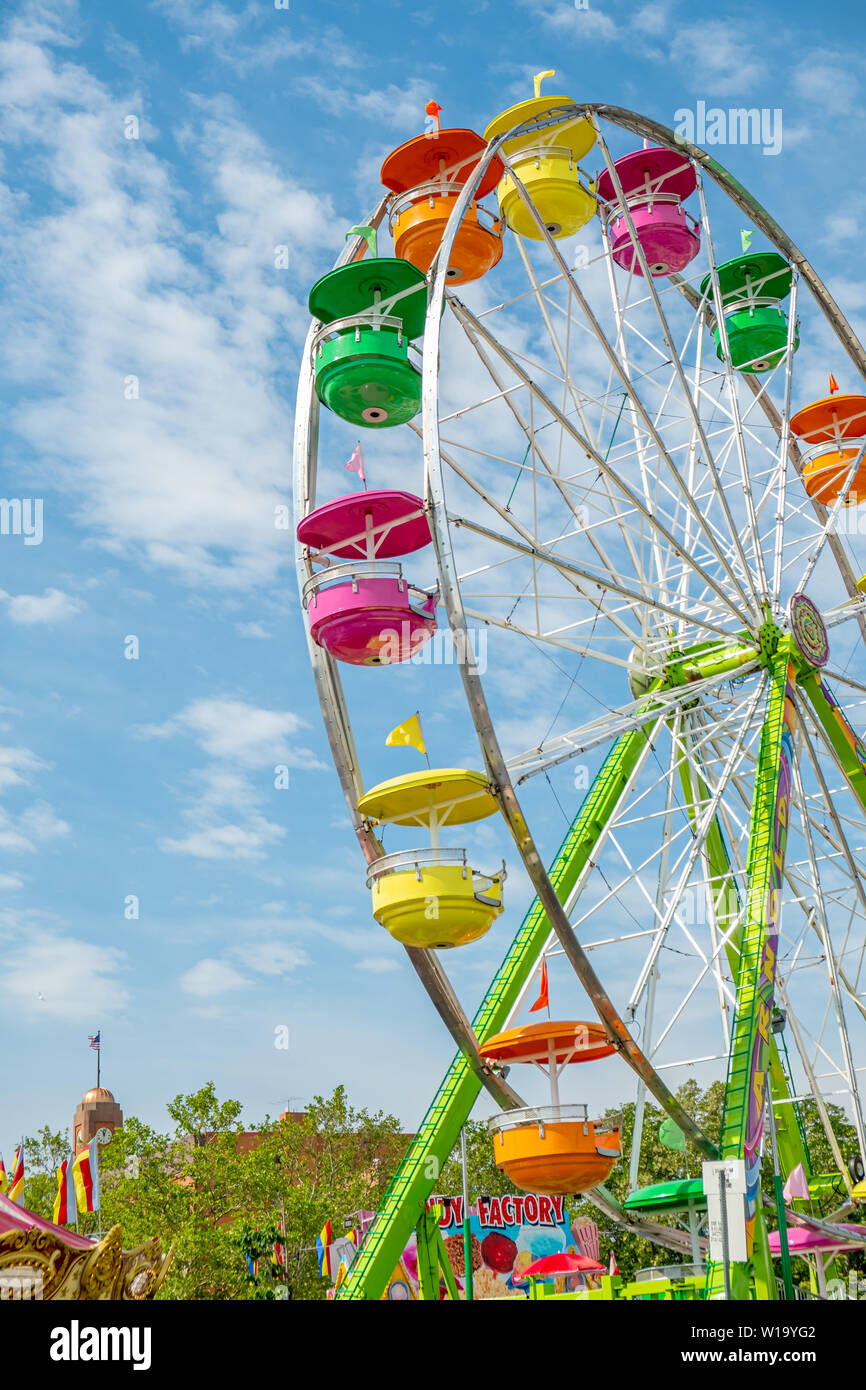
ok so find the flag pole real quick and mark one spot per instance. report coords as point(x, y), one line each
point(99, 1057)
point(423, 739)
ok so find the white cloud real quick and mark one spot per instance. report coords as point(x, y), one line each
point(10, 883)
point(222, 30)
point(271, 957)
point(144, 348)
point(827, 82)
point(249, 841)
point(591, 23)
point(653, 18)
point(77, 980)
point(391, 107)
point(246, 742)
point(14, 762)
point(42, 822)
point(35, 825)
point(52, 606)
point(239, 732)
point(718, 57)
point(209, 978)
point(251, 630)
point(379, 965)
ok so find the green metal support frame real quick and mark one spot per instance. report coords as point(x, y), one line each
point(790, 1138)
point(749, 1068)
point(433, 1261)
point(849, 748)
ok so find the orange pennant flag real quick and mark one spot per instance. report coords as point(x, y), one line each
point(834, 385)
point(543, 1000)
point(433, 108)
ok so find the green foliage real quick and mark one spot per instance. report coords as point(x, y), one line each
point(204, 1188)
point(256, 1244)
point(43, 1155)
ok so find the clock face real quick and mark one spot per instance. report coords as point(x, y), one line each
point(103, 1135)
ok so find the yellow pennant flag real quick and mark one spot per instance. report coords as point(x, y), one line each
point(408, 735)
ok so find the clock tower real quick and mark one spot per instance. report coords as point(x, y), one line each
point(97, 1117)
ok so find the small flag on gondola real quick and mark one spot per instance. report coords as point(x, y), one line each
point(543, 1000)
point(356, 463)
point(797, 1185)
point(408, 735)
point(613, 1267)
point(4, 1181)
point(433, 108)
point(834, 385)
point(672, 1136)
point(746, 238)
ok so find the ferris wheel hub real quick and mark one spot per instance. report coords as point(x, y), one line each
point(808, 630)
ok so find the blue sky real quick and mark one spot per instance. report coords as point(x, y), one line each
point(152, 258)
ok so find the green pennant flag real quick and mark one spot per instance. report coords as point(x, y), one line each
point(369, 235)
point(746, 239)
point(672, 1136)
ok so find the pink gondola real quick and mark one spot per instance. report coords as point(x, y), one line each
point(655, 182)
point(363, 611)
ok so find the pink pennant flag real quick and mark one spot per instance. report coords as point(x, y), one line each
point(797, 1185)
point(356, 463)
point(613, 1267)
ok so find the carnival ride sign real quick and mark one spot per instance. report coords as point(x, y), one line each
point(506, 1234)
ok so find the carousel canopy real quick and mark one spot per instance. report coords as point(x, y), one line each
point(39, 1260)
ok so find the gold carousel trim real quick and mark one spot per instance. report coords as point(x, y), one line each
point(37, 1262)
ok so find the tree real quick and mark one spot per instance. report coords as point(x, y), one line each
point(43, 1155)
point(220, 1199)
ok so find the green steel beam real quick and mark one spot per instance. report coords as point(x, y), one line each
point(418, 1173)
point(790, 1136)
point(847, 745)
point(749, 1066)
point(433, 1261)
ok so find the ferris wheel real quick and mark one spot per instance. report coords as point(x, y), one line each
point(625, 480)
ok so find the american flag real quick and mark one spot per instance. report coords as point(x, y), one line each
point(94, 1041)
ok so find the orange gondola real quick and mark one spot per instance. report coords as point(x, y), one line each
point(839, 421)
point(552, 1148)
point(426, 175)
